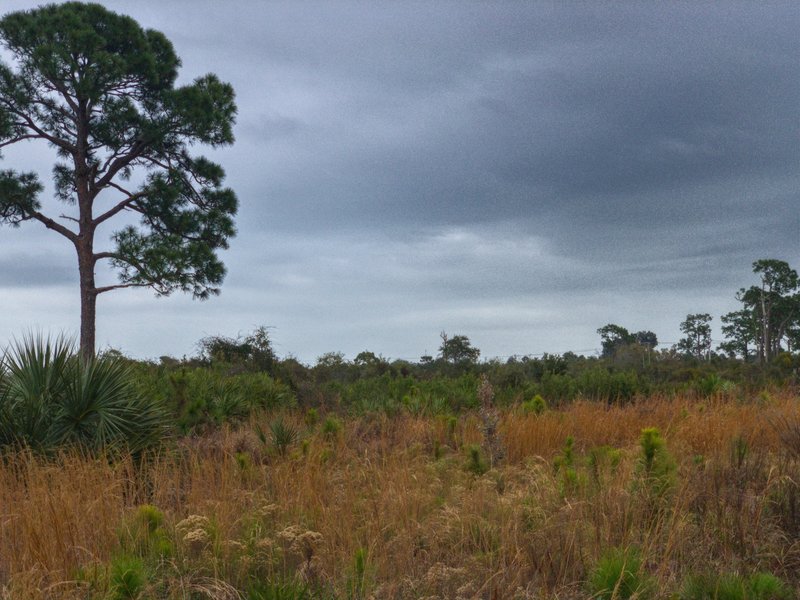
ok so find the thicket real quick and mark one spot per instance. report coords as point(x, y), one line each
point(229, 382)
point(48, 396)
point(345, 479)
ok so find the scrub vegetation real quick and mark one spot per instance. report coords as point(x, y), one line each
point(247, 476)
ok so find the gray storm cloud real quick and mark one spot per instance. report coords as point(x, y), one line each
point(522, 173)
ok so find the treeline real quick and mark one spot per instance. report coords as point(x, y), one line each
point(231, 376)
point(48, 396)
point(214, 388)
point(766, 326)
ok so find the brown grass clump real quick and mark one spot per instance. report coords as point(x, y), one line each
point(389, 507)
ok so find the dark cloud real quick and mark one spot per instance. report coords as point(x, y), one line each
point(522, 171)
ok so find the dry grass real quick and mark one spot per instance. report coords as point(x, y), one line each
point(398, 491)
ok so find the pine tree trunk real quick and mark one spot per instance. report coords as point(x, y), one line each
point(88, 299)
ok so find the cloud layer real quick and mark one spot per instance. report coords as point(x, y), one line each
point(519, 173)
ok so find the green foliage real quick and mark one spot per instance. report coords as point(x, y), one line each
point(601, 460)
point(652, 446)
point(143, 533)
point(740, 329)
point(282, 435)
point(569, 478)
point(766, 586)
point(476, 463)
point(732, 586)
point(601, 384)
point(613, 337)
point(618, 575)
point(656, 465)
point(251, 353)
point(711, 384)
point(331, 428)
point(420, 396)
point(102, 91)
point(202, 397)
point(558, 386)
point(697, 340)
point(311, 418)
point(357, 582)
point(458, 350)
point(566, 459)
point(287, 590)
point(50, 397)
point(536, 405)
point(128, 578)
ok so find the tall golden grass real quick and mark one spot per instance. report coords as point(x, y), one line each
point(398, 491)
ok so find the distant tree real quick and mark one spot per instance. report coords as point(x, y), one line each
point(370, 364)
point(740, 329)
point(793, 337)
point(458, 349)
point(697, 340)
point(365, 358)
point(331, 359)
point(774, 305)
point(331, 366)
point(613, 337)
point(254, 351)
point(100, 90)
point(647, 339)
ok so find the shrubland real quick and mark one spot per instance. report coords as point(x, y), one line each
point(558, 477)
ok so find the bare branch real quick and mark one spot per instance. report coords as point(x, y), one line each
point(57, 227)
point(102, 255)
point(120, 206)
point(120, 163)
point(108, 288)
point(19, 138)
point(31, 124)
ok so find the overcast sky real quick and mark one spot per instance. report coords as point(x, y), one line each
point(520, 173)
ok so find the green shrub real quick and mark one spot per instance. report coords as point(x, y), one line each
point(128, 578)
point(601, 460)
point(288, 590)
point(50, 396)
point(558, 387)
point(331, 428)
point(569, 478)
point(535, 406)
point(656, 465)
point(712, 384)
point(732, 586)
point(202, 397)
point(598, 383)
point(452, 429)
point(476, 464)
point(283, 435)
point(618, 575)
point(311, 418)
point(143, 533)
point(766, 586)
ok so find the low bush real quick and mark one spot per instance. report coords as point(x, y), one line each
point(618, 575)
point(51, 397)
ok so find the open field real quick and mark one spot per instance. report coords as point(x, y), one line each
point(411, 507)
